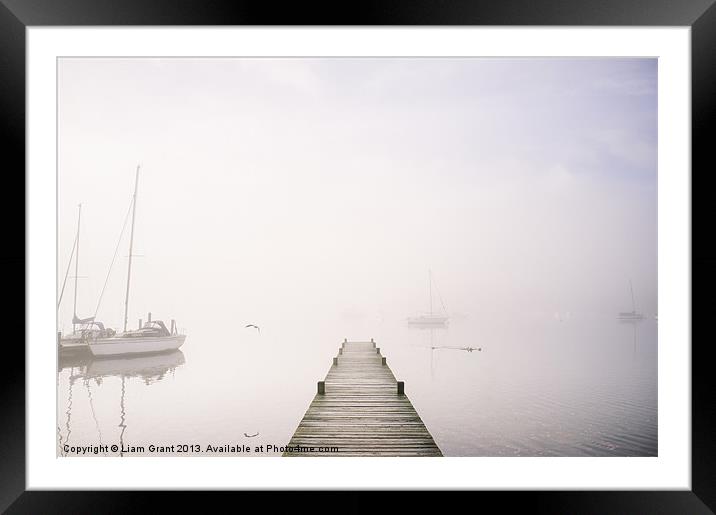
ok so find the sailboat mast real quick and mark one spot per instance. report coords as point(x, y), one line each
point(77, 264)
point(131, 242)
point(633, 304)
point(430, 290)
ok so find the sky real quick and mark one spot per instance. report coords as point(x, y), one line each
point(314, 188)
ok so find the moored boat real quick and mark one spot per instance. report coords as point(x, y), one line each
point(633, 314)
point(430, 319)
point(153, 336)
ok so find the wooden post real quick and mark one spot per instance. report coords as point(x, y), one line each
point(345, 340)
point(340, 351)
point(401, 388)
point(373, 342)
point(382, 361)
point(321, 387)
point(377, 351)
point(140, 324)
point(149, 317)
point(335, 361)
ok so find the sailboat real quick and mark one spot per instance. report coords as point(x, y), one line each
point(430, 318)
point(633, 314)
point(153, 336)
point(83, 329)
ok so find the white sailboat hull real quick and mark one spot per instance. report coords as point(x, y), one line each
point(142, 345)
point(428, 320)
point(633, 315)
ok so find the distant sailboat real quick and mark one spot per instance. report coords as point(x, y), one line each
point(430, 318)
point(153, 336)
point(633, 314)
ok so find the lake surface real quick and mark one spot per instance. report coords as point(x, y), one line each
point(539, 386)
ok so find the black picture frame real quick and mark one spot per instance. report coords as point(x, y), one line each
point(16, 15)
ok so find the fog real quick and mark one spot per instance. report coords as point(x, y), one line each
point(277, 190)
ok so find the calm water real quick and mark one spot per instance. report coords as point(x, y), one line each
point(540, 387)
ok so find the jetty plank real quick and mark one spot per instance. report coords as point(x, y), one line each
point(360, 412)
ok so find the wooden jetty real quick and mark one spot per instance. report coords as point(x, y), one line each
point(361, 410)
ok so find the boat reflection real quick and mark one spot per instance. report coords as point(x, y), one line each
point(635, 324)
point(91, 372)
point(150, 367)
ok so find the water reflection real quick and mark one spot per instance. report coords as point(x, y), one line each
point(149, 367)
point(94, 413)
point(122, 415)
point(635, 324)
point(434, 339)
point(83, 368)
point(68, 412)
point(580, 387)
point(430, 338)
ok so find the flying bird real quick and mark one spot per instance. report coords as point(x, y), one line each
point(254, 326)
point(251, 436)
